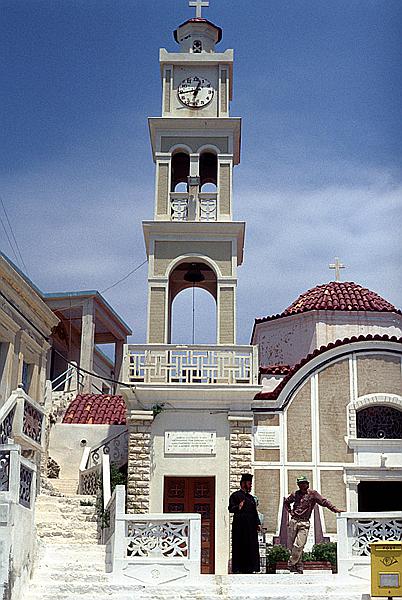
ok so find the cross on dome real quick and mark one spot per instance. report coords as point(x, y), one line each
point(337, 265)
point(198, 4)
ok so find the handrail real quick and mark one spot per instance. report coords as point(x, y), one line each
point(106, 440)
point(61, 380)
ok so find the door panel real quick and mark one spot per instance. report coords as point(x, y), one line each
point(195, 495)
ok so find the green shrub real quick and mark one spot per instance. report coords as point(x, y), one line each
point(325, 551)
point(307, 557)
point(277, 554)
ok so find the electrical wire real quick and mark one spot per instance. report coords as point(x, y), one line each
point(124, 278)
point(12, 233)
point(9, 241)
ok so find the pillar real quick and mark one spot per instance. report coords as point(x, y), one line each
point(139, 461)
point(240, 450)
point(87, 343)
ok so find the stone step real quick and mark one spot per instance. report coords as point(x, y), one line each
point(69, 487)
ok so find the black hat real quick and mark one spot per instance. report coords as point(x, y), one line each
point(246, 477)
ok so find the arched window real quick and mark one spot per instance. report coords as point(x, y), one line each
point(208, 168)
point(379, 422)
point(180, 169)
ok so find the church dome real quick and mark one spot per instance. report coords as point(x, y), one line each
point(336, 295)
point(339, 295)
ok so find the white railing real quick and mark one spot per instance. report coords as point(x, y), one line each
point(94, 472)
point(152, 548)
point(208, 206)
point(356, 531)
point(71, 380)
point(170, 364)
point(185, 207)
point(22, 419)
point(17, 529)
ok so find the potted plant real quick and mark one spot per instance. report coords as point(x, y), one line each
point(322, 557)
point(325, 553)
point(277, 558)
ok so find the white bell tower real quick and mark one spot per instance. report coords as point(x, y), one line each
point(193, 240)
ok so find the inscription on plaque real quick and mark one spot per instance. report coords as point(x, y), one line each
point(266, 436)
point(190, 442)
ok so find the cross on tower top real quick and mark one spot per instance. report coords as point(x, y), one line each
point(198, 6)
point(337, 265)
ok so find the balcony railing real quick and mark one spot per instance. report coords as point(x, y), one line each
point(185, 207)
point(170, 364)
point(151, 548)
point(356, 531)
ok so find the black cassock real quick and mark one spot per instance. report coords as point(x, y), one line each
point(245, 554)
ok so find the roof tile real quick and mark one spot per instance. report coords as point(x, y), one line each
point(336, 295)
point(102, 409)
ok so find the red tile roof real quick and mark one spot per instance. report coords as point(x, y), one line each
point(275, 370)
point(96, 409)
point(336, 295)
point(273, 395)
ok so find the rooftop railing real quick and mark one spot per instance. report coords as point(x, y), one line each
point(195, 364)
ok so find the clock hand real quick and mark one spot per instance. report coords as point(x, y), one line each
point(197, 89)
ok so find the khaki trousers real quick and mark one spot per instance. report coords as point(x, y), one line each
point(297, 537)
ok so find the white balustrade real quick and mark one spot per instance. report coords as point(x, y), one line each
point(185, 207)
point(207, 206)
point(170, 364)
point(152, 548)
point(356, 531)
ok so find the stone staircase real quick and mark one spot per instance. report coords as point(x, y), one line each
point(71, 566)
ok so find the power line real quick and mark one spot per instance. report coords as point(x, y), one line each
point(12, 233)
point(124, 278)
point(9, 241)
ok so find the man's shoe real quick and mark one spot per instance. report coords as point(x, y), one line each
point(299, 569)
point(292, 568)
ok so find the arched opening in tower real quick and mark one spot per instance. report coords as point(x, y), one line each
point(208, 172)
point(180, 171)
point(192, 304)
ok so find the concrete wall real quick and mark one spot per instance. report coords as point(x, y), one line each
point(289, 339)
point(194, 466)
point(65, 444)
point(165, 252)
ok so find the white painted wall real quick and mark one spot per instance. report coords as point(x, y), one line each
point(289, 339)
point(195, 466)
point(65, 444)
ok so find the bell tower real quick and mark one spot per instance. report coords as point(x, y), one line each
point(193, 240)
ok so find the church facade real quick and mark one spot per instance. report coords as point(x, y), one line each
point(324, 397)
point(317, 392)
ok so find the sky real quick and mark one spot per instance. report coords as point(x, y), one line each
point(318, 85)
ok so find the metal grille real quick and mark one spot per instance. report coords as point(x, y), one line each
point(383, 422)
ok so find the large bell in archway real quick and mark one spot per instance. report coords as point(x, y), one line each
point(193, 274)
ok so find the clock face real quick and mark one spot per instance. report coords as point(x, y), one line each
point(195, 92)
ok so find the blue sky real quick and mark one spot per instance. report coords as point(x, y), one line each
point(318, 84)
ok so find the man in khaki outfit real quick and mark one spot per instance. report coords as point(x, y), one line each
point(303, 501)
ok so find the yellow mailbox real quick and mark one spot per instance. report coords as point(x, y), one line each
point(386, 569)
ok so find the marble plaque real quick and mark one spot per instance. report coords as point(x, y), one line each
point(190, 442)
point(266, 436)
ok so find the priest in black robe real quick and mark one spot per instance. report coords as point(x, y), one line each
point(246, 524)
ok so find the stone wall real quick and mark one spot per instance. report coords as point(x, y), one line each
point(379, 374)
point(241, 434)
point(139, 462)
point(333, 488)
point(299, 426)
point(334, 396)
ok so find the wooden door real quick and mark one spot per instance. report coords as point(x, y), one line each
point(195, 495)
